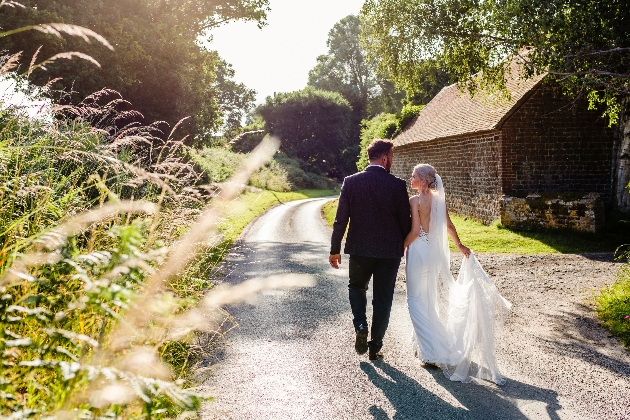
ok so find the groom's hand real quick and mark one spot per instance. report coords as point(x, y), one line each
point(334, 260)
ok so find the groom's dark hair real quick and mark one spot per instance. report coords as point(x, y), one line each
point(378, 148)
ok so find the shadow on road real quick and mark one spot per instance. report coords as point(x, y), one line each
point(412, 401)
point(582, 337)
point(280, 315)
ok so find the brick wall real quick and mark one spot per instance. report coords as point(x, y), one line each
point(469, 167)
point(551, 144)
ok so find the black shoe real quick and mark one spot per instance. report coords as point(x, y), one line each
point(360, 344)
point(376, 356)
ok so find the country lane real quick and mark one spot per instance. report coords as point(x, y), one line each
point(292, 356)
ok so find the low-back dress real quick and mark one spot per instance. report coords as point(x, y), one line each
point(454, 321)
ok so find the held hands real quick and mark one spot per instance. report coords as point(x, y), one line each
point(334, 260)
point(463, 249)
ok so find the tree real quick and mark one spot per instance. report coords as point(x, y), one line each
point(585, 45)
point(384, 126)
point(313, 125)
point(345, 69)
point(582, 45)
point(157, 63)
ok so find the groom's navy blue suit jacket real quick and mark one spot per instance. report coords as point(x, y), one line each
point(377, 205)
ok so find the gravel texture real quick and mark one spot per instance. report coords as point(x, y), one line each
point(293, 358)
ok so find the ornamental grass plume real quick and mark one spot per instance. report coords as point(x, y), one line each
point(100, 220)
point(87, 308)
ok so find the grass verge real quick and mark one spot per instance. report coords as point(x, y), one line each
point(613, 304)
point(497, 238)
point(329, 211)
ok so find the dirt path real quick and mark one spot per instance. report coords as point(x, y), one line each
point(553, 337)
point(293, 358)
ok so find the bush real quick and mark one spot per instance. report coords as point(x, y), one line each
point(313, 125)
point(281, 173)
point(216, 163)
point(299, 177)
point(272, 177)
point(384, 126)
point(613, 303)
point(247, 141)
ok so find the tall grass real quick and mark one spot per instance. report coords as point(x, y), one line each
point(613, 302)
point(280, 173)
point(102, 290)
point(100, 229)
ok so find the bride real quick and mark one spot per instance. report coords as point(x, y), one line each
point(453, 320)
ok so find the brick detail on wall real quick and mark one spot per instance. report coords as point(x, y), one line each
point(469, 167)
point(551, 144)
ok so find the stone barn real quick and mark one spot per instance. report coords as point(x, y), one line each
point(537, 159)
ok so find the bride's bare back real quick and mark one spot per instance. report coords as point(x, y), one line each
point(424, 209)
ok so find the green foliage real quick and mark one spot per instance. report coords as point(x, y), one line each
point(583, 45)
point(157, 63)
point(281, 173)
point(345, 69)
point(298, 175)
point(329, 211)
point(217, 164)
point(613, 303)
point(314, 126)
point(406, 114)
point(247, 140)
point(384, 126)
point(250, 136)
point(57, 310)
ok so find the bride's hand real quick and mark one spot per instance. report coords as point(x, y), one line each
point(463, 249)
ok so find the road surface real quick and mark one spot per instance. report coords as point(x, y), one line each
point(293, 357)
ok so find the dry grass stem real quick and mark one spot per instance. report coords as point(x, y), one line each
point(65, 55)
point(57, 29)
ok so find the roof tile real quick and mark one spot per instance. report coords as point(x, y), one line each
point(453, 112)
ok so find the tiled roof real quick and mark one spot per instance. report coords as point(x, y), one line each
point(453, 112)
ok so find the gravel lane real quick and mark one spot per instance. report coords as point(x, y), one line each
point(293, 355)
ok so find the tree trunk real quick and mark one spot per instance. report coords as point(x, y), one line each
point(622, 160)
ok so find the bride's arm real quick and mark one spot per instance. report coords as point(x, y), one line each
point(452, 232)
point(415, 221)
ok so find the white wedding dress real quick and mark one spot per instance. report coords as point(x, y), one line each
point(454, 321)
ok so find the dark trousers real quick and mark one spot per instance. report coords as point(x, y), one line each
point(384, 272)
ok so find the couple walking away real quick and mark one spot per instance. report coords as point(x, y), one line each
point(453, 320)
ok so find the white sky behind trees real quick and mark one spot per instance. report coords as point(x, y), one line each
point(278, 57)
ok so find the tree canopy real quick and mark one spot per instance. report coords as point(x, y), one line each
point(585, 45)
point(157, 63)
point(313, 125)
point(345, 69)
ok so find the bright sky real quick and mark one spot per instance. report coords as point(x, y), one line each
point(11, 97)
point(278, 57)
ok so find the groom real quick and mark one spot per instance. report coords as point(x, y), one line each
point(377, 205)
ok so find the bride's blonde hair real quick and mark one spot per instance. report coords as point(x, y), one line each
point(426, 172)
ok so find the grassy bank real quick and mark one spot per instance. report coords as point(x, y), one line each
point(613, 303)
point(107, 246)
point(328, 211)
point(497, 238)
